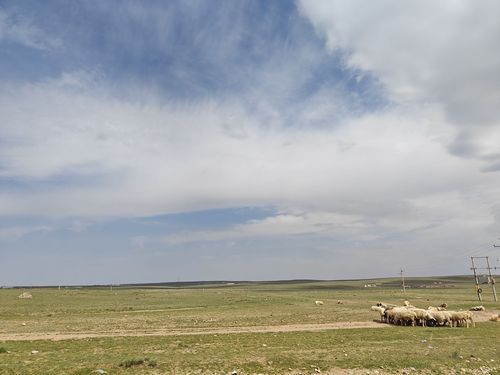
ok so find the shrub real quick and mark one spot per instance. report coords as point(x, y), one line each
point(132, 362)
point(138, 362)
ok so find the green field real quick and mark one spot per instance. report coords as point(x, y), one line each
point(158, 318)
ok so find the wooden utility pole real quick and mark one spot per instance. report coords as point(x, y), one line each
point(476, 280)
point(403, 281)
point(492, 279)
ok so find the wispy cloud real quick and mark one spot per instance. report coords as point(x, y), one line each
point(17, 28)
point(282, 225)
point(17, 232)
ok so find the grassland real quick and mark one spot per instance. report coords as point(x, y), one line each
point(220, 307)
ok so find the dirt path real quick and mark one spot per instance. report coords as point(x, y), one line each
point(480, 316)
point(183, 332)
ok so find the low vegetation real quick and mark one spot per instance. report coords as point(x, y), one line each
point(138, 362)
point(196, 308)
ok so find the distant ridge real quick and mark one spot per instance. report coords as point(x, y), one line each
point(382, 281)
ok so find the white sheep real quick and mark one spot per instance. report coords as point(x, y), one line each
point(477, 308)
point(381, 311)
point(441, 317)
point(400, 315)
point(423, 316)
point(439, 308)
point(459, 318)
point(318, 303)
point(404, 316)
point(386, 305)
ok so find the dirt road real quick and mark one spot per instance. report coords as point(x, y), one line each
point(480, 316)
point(183, 332)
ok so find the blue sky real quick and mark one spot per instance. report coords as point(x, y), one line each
point(246, 139)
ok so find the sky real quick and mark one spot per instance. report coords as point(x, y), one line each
point(247, 140)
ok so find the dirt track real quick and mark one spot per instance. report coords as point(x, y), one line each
point(183, 332)
point(480, 316)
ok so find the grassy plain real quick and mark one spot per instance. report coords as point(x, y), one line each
point(215, 307)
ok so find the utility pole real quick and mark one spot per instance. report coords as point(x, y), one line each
point(491, 279)
point(476, 280)
point(403, 281)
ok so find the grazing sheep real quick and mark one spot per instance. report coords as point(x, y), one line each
point(441, 317)
point(381, 311)
point(439, 308)
point(400, 315)
point(459, 318)
point(404, 316)
point(25, 295)
point(477, 308)
point(386, 305)
point(318, 303)
point(423, 316)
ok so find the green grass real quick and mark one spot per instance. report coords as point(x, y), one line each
point(388, 349)
point(249, 304)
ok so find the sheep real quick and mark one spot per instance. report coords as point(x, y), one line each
point(441, 317)
point(423, 316)
point(404, 316)
point(477, 308)
point(318, 303)
point(400, 315)
point(385, 305)
point(381, 311)
point(439, 308)
point(459, 318)
point(408, 304)
point(495, 318)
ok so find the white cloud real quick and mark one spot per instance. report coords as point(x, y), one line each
point(285, 224)
point(119, 158)
point(422, 51)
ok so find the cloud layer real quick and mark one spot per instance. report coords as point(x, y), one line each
point(425, 52)
point(352, 129)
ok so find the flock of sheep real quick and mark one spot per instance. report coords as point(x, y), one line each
point(432, 316)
